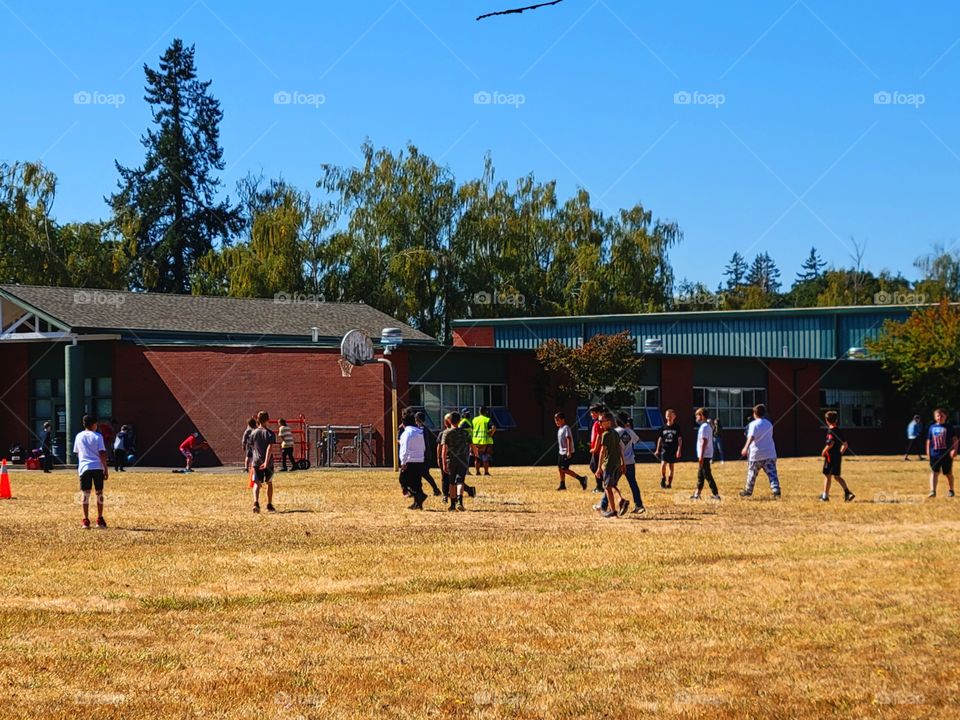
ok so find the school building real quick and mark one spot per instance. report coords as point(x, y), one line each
point(170, 365)
point(798, 362)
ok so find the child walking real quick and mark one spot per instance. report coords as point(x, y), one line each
point(611, 467)
point(565, 452)
point(262, 441)
point(245, 444)
point(669, 447)
point(286, 446)
point(455, 460)
point(832, 453)
point(761, 453)
point(941, 449)
point(121, 448)
point(705, 448)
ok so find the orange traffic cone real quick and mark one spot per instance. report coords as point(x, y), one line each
point(5, 493)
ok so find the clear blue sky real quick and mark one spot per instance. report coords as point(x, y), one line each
point(797, 154)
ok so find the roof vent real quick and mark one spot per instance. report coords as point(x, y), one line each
point(391, 338)
point(653, 346)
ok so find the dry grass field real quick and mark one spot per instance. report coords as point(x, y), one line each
point(344, 604)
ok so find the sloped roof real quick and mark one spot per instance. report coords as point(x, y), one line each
point(288, 316)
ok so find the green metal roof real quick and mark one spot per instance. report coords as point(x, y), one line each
point(796, 333)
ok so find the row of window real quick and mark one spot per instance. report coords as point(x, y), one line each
point(438, 399)
point(733, 407)
point(48, 403)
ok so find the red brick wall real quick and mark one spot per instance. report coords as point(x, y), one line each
point(473, 337)
point(676, 391)
point(167, 393)
point(14, 398)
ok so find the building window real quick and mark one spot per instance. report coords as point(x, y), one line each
point(857, 408)
point(48, 403)
point(730, 406)
point(438, 399)
point(645, 411)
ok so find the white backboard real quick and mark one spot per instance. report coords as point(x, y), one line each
point(356, 348)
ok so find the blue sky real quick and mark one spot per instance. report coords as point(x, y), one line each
point(780, 142)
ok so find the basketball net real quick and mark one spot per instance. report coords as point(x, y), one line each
point(346, 367)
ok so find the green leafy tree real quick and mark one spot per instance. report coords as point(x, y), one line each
point(27, 232)
point(172, 199)
point(402, 212)
point(35, 250)
point(605, 369)
point(940, 274)
point(922, 354)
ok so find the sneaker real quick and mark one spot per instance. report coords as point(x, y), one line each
point(949, 494)
point(715, 497)
point(849, 497)
point(695, 496)
point(101, 523)
point(453, 506)
point(744, 493)
point(583, 482)
point(271, 508)
point(609, 514)
point(598, 490)
point(85, 524)
point(624, 506)
point(256, 507)
point(824, 498)
point(933, 493)
point(663, 482)
point(460, 506)
point(471, 490)
point(776, 494)
point(562, 487)
point(283, 469)
point(638, 510)
point(414, 506)
point(598, 507)
point(486, 472)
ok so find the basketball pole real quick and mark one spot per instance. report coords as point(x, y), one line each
point(395, 407)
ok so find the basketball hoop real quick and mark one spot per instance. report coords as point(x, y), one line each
point(346, 367)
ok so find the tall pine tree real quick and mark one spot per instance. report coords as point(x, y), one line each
point(169, 206)
point(812, 267)
point(736, 271)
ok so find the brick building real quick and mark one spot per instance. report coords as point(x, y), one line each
point(171, 364)
point(174, 364)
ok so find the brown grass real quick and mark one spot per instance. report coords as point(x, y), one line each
point(345, 604)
